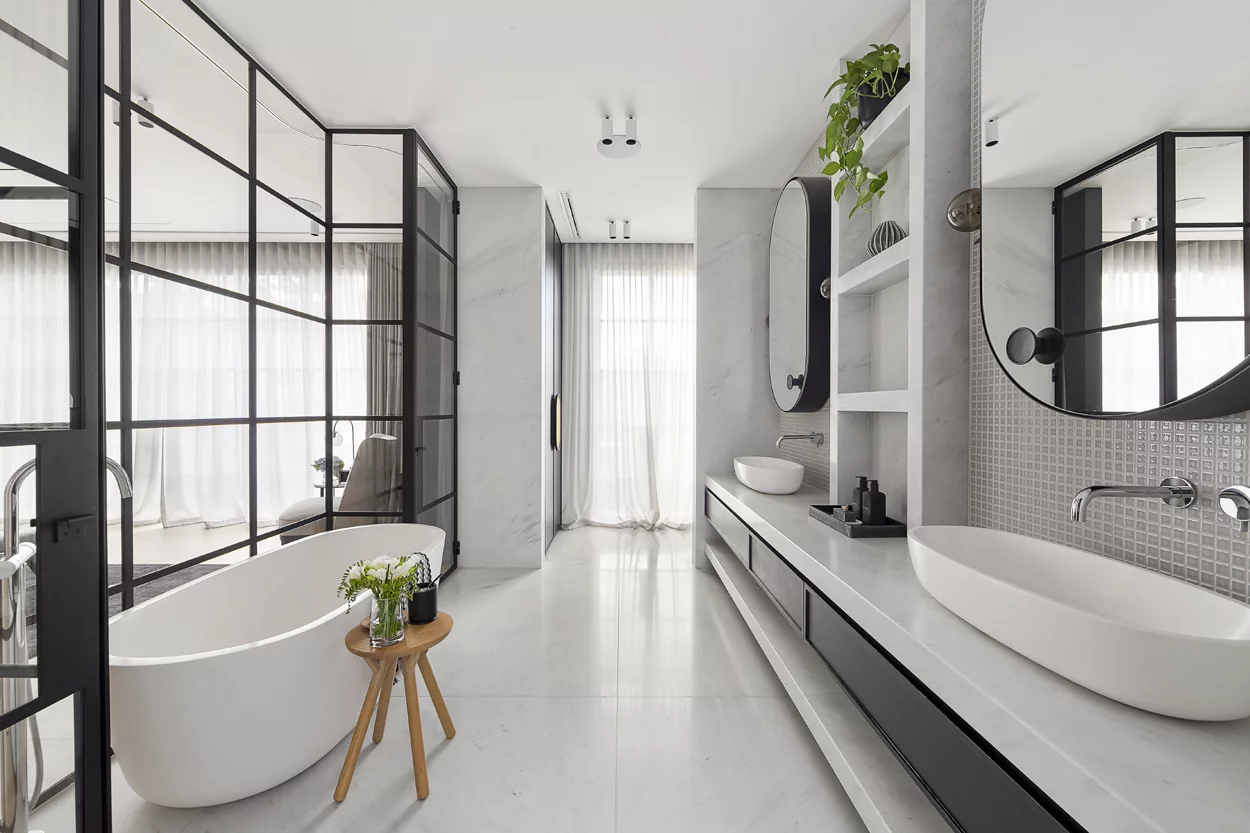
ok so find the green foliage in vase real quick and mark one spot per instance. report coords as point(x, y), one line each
point(880, 74)
point(385, 577)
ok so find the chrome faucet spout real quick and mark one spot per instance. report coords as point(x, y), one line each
point(815, 437)
point(1174, 491)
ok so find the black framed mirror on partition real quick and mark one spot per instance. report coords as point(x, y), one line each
point(1114, 282)
point(798, 314)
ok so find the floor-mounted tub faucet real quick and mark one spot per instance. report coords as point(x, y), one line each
point(813, 437)
point(1174, 491)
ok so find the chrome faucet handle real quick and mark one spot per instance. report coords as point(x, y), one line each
point(1235, 503)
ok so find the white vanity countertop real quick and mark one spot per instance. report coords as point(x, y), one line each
point(1113, 768)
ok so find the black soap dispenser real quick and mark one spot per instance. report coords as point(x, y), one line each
point(874, 505)
point(857, 497)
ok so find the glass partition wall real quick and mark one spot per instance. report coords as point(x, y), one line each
point(280, 303)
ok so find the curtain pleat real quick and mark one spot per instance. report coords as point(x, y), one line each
point(628, 376)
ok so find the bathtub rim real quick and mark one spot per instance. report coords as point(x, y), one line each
point(116, 661)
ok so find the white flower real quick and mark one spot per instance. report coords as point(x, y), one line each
point(355, 572)
point(378, 566)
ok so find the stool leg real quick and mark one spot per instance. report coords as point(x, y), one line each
point(384, 699)
point(414, 727)
point(358, 737)
point(444, 716)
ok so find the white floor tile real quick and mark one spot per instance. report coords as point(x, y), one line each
point(723, 764)
point(536, 669)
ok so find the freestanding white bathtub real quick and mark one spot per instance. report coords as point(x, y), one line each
point(238, 681)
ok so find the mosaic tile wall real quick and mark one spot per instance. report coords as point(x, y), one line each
point(815, 460)
point(1027, 462)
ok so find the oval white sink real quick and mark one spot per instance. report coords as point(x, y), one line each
point(770, 475)
point(1132, 635)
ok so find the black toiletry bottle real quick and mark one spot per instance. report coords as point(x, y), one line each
point(857, 497)
point(874, 505)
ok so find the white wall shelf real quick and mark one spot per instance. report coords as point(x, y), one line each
point(890, 132)
point(879, 272)
point(874, 401)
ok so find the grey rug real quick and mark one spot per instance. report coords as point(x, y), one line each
point(142, 593)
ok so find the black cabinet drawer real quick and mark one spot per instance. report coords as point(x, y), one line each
point(975, 789)
point(778, 579)
point(732, 530)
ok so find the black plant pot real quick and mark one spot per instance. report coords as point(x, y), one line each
point(423, 606)
point(871, 106)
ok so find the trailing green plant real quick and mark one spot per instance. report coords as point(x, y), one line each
point(880, 71)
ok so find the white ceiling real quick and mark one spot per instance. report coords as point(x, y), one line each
point(726, 93)
point(1075, 82)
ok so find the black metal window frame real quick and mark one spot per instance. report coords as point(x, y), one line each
point(1165, 230)
point(409, 231)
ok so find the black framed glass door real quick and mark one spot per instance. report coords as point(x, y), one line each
point(53, 631)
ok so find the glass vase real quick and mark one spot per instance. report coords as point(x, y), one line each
point(387, 625)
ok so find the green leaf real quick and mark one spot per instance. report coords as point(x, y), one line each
point(838, 189)
point(852, 126)
point(875, 185)
point(831, 169)
point(852, 157)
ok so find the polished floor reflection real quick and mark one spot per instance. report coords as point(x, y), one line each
point(617, 689)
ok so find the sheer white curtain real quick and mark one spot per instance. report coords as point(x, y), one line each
point(1130, 357)
point(628, 384)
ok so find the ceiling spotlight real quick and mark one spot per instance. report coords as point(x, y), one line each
point(991, 132)
point(619, 145)
point(626, 230)
point(611, 229)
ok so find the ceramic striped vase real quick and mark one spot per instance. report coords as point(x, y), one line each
point(884, 236)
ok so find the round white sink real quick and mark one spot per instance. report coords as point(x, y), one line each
point(770, 475)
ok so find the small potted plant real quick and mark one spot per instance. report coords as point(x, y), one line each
point(868, 85)
point(423, 604)
point(390, 581)
point(336, 463)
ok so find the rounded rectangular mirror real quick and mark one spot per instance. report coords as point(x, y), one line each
point(1114, 282)
point(798, 315)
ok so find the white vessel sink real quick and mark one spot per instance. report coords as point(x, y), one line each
point(770, 475)
point(1135, 636)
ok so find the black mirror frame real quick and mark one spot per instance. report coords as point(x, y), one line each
point(814, 391)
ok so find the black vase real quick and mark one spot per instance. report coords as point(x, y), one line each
point(871, 106)
point(423, 606)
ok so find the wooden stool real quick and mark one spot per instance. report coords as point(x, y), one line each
point(411, 652)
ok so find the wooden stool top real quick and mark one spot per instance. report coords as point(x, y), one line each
point(417, 640)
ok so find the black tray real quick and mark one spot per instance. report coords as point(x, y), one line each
point(890, 529)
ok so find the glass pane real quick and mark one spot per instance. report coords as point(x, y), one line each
point(290, 149)
point(1116, 285)
point(368, 275)
point(184, 73)
point(34, 332)
point(1210, 273)
point(18, 631)
point(113, 508)
point(35, 96)
point(290, 365)
point(1112, 204)
point(436, 297)
point(189, 351)
point(1209, 179)
point(435, 366)
point(1205, 351)
point(374, 482)
point(289, 488)
point(197, 229)
point(368, 369)
point(290, 257)
point(438, 459)
point(442, 516)
point(35, 205)
point(112, 46)
point(369, 178)
point(190, 497)
point(112, 344)
point(434, 204)
point(1130, 369)
point(58, 744)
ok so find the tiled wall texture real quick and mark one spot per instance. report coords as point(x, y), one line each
point(1027, 462)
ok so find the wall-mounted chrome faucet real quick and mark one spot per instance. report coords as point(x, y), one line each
point(1174, 491)
point(1235, 503)
point(813, 437)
